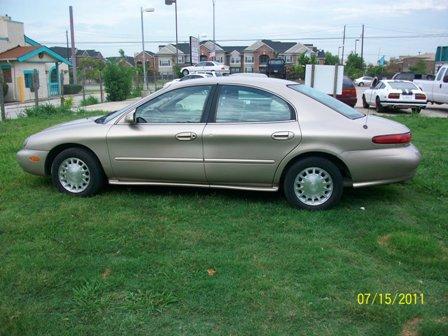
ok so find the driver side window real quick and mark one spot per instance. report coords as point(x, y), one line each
point(184, 105)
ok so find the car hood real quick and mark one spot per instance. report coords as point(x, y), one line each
point(78, 122)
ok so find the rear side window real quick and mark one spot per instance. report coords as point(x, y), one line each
point(347, 83)
point(327, 100)
point(242, 104)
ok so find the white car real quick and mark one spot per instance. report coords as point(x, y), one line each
point(206, 66)
point(394, 93)
point(363, 81)
point(249, 74)
point(188, 77)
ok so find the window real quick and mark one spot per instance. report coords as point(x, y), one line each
point(200, 64)
point(235, 60)
point(249, 59)
point(403, 86)
point(184, 105)
point(7, 74)
point(243, 104)
point(209, 64)
point(165, 62)
point(28, 78)
point(379, 85)
point(327, 100)
point(439, 75)
point(249, 69)
point(180, 60)
point(289, 59)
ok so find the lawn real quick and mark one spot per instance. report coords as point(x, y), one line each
point(170, 261)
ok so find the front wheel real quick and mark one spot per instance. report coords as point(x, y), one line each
point(76, 171)
point(313, 184)
point(364, 102)
point(185, 72)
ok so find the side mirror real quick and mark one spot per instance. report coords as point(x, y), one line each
point(130, 118)
point(445, 79)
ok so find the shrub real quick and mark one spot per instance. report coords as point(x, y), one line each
point(90, 100)
point(68, 102)
point(71, 88)
point(5, 89)
point(117, 81)
point(46, 110)
point(136, 92)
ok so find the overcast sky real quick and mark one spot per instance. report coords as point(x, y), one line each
point(302, 20)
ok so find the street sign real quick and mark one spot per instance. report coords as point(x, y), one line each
point(194, 50)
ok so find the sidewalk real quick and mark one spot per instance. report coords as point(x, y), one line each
point(111, 106)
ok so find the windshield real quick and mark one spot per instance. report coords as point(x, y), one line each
point(327, 100)
point(402, 86)
point(108, 117)
point(277, 62)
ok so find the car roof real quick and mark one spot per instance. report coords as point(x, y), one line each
point(236, 80)
point(396, 81)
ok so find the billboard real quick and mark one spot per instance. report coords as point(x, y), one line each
point(326, 78)
point(194, 50)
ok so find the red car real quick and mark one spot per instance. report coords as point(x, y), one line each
point(348, 95)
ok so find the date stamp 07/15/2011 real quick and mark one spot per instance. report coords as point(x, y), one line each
point(391, 298)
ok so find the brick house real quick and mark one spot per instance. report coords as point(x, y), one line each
point(150, 60)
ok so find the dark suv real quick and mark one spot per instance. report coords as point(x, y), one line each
point(276, 68)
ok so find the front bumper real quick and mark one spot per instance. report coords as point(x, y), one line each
point(382, 166)
point(32, 161)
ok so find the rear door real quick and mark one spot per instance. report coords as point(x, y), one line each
point(250, 132)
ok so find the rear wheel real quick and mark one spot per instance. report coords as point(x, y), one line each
point(76, 171)
point(364, 102)
point(378, 106)
point(313, 184)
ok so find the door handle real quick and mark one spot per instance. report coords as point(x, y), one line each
point(286, 135)
point(186, 136)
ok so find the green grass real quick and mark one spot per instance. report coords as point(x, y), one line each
point(136, 261)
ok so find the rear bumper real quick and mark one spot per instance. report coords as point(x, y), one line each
point(382, 166)
point(32, 161)
point(403, 104)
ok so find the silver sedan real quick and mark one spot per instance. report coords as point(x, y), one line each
point(228, 132)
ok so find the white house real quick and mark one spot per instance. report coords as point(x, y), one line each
point(20, 56)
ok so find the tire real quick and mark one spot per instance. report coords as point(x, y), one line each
point(379, 108)
point(361, 84)
point(83, 172)
point(364, 102)
point(296, 184)
point(185, 72)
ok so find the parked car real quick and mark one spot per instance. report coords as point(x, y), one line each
point(206, 66)
point(235, 132)
point(188, 77)
point(348, 95)
point(249, 74)
point(276, 68)
point(394, 93)
point(363, 81)
point(410, 76)
point(436, 90)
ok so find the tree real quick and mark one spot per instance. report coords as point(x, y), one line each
point(118, 81)
point(354, 66)
point(90, 67)
point(331, 59)
point(419, 67)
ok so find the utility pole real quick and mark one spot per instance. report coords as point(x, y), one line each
point(214, 38)
point(145, 81)
point(67, 54)
point(72, 35)
point(343, 47)
point(177, 42)
point(362, 44)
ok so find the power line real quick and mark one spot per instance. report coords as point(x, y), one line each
point(417, 36)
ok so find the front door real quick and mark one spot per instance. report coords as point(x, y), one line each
point(54, 82)
point(165, 144)
point(251, 132)
point(440, 89)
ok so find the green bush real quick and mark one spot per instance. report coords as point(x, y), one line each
point(68, 102)
point(71, 88)
point(5, 89)
point(90, 100)
point(176, 70)
point(46, 110)
point(117, 81)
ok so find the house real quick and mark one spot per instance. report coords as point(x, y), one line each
point(127, 61)
point(20, 56)
point(149, 58)
point(234, 57)
point(167, 57)
point(206, 50)
point(405, 63)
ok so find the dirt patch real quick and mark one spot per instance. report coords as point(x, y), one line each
point(384, 240)
point(410, 327)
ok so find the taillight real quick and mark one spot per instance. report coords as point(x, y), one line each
point(420, 96)
point(394, 96)
point(392, 138)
